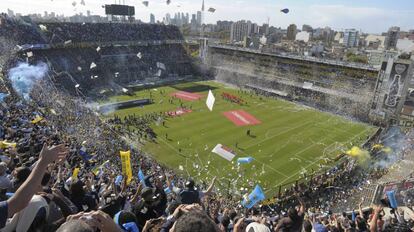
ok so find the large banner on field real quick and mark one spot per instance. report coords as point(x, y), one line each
point(126, 165)
point(224, 152)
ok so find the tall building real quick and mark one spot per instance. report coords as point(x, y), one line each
point(307, 28)
point(168, 18)
point(152, 18)
point(254, 29)
point(351, 38)
point(10, 13)
point(264, 29)
point(291, 32)
point(224, 25)
point(392, 37)
point(202, 13)
point(328, 35)
point(199, 18)
point(187, 18)
point(239, 30)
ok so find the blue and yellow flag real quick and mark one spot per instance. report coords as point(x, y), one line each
point(254, 197)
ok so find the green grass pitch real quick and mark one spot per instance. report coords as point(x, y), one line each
point(291, 138)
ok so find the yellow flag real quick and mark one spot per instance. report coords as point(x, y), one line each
point(377, 146)
point(75, 174)
point(126, 165)
point(5, 144)
point(37, 119)
point(98, 168)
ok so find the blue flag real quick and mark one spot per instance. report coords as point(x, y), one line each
point(167, 190)
point(353, 216)
point(85, 155)
point(392, 199)
point(131, 227)
point(254, 197)
point(118, 179)
point(141, 177)
point(3, 96)
point(245, 160)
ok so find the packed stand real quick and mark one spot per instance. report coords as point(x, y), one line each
point(19, 32)
point(109, 32)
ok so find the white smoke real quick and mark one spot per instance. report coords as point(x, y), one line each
point(24, 76)
point(395, 139)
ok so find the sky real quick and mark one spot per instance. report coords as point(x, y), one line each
point(370, 16)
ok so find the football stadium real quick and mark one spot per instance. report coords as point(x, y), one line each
point(120, 125)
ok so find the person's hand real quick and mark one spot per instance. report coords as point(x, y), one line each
point(149, 223)
point(47, 195)
point(182, 209)
point(377, 209)
point(57, 193)
point(51, 154)
point(240, 226)
point(75, 216)
point(104, 222)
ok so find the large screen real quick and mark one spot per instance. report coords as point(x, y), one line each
point(114, 9)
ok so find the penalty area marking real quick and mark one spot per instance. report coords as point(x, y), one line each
point(318, 159)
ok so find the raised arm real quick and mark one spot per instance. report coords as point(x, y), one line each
point(302, 205)
point(210, 188)
point(26, 191)
point(373, 224)
point(361, 214)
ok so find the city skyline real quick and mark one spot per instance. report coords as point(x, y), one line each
point(369, 16)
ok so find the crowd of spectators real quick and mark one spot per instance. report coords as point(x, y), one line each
point(109, 32)
point(135, 126)
point(19, 32)
point(24, 31)
point(41, 191)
